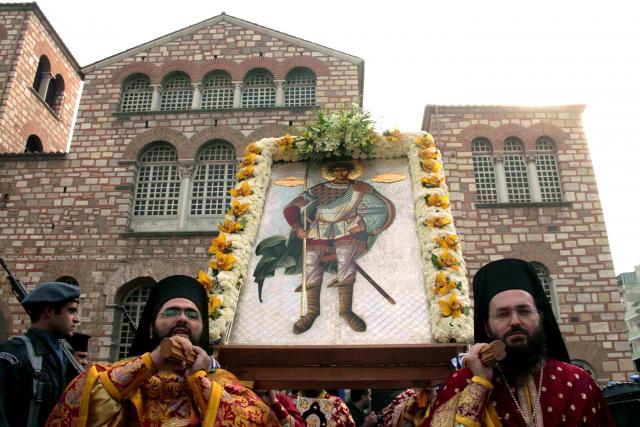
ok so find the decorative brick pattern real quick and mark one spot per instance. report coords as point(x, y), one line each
point(570, 239)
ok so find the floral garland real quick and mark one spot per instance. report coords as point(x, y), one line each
point(444, 269)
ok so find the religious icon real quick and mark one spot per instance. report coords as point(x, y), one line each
point(332, 224)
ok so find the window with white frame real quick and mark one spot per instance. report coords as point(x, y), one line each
point(132, 303)
point(547, 284)
point(259, 89)
point(177, 93)
point(515, 171)
point(547, 167)
point(158, 182)
point(137, 94)
point(300, 88)
point(484, 171)
point(217, 91)
point(214, 177)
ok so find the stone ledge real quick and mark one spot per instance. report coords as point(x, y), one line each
point(129, 114)
point(523, 205)
point(168, 234)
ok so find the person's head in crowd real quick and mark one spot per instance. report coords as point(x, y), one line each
point(80, 345)
point(53, 307)
point(177, 305)
point(360, 398)
point(511, 305)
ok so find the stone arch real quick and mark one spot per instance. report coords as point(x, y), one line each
point(319, 68)
point(559, 137)
point(472, 132)
point(590, 352)
point(43, 48)
point(255, 62)
point(233, 136)
point(205, 67)
point(190, 68)
point(269, 131)
point(137, 144)
point(537, 252)
point(503, 132)
point(149, 70)
point(35, 128)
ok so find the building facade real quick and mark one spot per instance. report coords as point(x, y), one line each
point(629, 284)
point(158, 133)
point(522, 185)
point(40, 83)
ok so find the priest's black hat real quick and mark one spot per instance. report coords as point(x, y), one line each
point(79, 341)
point(166, 289)
point(503, 275)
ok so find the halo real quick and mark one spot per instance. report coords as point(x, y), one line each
point(358, 169)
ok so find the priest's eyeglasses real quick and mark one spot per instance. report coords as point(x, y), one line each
point(172, 313)
point(524, 313)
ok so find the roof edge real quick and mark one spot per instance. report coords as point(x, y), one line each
point(33, 7)
point(210, 21)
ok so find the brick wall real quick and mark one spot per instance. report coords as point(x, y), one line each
point(22, 111)
point(68, 215)
point(569, 239)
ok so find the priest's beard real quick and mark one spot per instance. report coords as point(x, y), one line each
point(157, 336)
point(522, 359)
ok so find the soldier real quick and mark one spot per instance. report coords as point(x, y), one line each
point(337, 230)
point(26, 398)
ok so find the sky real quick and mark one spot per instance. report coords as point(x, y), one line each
point(440, 52)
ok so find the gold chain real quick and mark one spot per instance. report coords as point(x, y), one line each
point(528, 421)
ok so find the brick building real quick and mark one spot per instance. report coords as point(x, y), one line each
point(158, 130)
point(145, 182)
point(522, 185)
point(40, 83)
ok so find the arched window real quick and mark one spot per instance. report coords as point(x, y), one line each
point(547, 284)
point(130, 300)
point(259, 89)
point(34, 145)
point(547, 167)
point(217, 91)
point(43, 74)
point(515, 171)
point(137, 94)
point(300, 88)
point(158, 183)
point(55, 93)
point(214, 177)
point(177, 93)
point(484, 171)
point(68, 279)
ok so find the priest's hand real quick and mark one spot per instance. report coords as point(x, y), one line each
point(473, 362)
point(164, 362)
point(202, 362)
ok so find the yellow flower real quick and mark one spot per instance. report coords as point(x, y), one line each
point(243, 191)
point(229, 226)
point(392, 135)
point(222, 262)
point(437, 221)
point(438, 201)
point(451, 307)
point(425, 141)
point(219, 244)
point(248, 160)
point(205, 280)
point(252, 149)
point(448, 241)
point(446, 259)
point(237, 209)
point(432, 180)
point(431, 165)
point(286, 142)
point(443, 283)
point(429, 153)
point(214, 302)
point(245, 173)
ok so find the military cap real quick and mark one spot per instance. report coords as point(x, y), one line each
point(51, 292)
point(79, 341)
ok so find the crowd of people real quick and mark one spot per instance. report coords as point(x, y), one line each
point(534, 385)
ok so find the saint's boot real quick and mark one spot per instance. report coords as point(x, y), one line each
point(313, 309)
point(345, 300)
